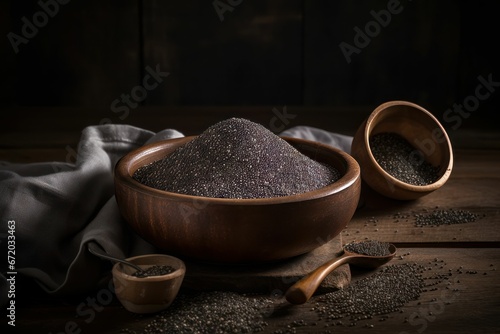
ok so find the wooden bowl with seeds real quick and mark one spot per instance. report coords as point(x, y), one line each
point(403, 151)
point(151, 290)
point(225, 230)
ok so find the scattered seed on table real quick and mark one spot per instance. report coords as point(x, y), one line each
point(364, 301)
point(381, 293)
point(445, 217)
point(237, 158)
point(210, 312)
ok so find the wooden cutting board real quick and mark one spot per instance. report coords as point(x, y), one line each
point(272, 278)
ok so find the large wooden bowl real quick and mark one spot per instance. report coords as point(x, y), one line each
point(237, 230)
point(421, 129)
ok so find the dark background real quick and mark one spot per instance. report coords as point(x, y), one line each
point(264, 54)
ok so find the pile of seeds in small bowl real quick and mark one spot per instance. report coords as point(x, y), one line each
point(154, 271)
point(237, 158)
point(369, 248)
point(401, 160)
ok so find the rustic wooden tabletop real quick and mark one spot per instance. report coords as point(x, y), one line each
point(469, 252)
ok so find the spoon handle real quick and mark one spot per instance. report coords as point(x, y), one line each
point(97, 250)
point(301, 291)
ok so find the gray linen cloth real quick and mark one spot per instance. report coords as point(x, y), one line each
point(58, 207)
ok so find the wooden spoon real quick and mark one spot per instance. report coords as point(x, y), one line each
point(301, 291)
point(97, 250)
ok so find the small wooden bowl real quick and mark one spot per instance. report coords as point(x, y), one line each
point(148, 294)
point(237, 230)
point(421, 129)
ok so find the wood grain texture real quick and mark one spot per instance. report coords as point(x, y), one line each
point(253, 56)
point(269, 278)
point(474, 186)
point(37, 128)
point(389, 63)
point(284, 52)
point(468, 305)
point(86, 55)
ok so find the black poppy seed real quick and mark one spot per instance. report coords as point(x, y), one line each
point(154, 271)
point(401, 160)
point(368, 247)
point(445, 217)
point(237, 158)
point(384, 292)
point(211, 312)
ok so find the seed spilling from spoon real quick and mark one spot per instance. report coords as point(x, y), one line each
point(354, 253)
point(369, 248)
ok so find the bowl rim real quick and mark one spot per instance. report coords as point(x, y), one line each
point(178, 272)
point(121, 174)
point(408, 186)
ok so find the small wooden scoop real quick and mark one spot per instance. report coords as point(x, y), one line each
point(301, 291)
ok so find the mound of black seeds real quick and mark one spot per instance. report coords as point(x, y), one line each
point(210, 312)
point(401, 160)
point(154, 271)
point(445, 217)
point(368, 247)
point(237, 158)
point(381, 293)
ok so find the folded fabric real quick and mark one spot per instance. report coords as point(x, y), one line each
point(336, 140)
point(60, 206)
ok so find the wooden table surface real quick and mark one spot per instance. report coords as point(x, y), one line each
point(469, 252)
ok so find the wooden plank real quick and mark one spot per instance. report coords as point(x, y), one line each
point(58, 127)
point(475, 163)
point(478, 57)
point(465, 302)
point(388, 65)
point(472, 308)
point(86, 55)
point(24, 127)
point(252, 57)
point(268, 277)
point(376, 219)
